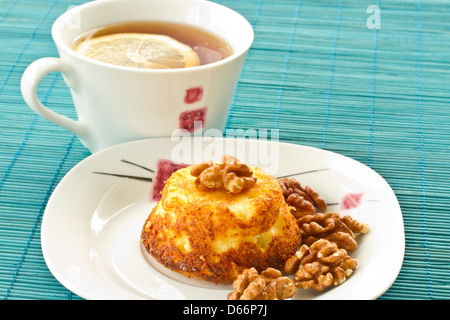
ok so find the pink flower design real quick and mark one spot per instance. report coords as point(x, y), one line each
point(193, 119)
point(193, 95)
point(165, 168)
point(351, 200)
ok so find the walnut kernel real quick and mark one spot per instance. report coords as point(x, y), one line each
point(230, 175)
point(333, 227)
point(320, 265)
point(269, 285)
point(304, 200)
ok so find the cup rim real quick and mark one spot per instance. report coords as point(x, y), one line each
point(59, 22)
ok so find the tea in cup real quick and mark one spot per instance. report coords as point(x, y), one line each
point(154, 45)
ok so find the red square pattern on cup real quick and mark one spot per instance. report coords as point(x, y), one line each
point(194, 94)
point(165, 168)
point(192, 120)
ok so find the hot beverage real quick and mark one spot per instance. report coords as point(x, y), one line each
point(168, 45)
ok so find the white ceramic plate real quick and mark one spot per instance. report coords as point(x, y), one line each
point(92, 224)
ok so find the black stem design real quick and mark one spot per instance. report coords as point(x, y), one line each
point(304, 172)
point(124, 176)
point(137, 165)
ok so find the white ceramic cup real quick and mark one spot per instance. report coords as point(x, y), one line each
point(117, 104)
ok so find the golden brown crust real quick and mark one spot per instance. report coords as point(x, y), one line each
point(215, 235)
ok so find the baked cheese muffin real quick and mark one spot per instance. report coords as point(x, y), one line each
point(214, 234)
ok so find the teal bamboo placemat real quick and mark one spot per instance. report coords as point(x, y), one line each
point(323, 73)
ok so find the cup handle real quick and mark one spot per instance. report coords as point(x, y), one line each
point(30, 80)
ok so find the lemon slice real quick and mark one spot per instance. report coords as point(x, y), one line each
point(139, 50)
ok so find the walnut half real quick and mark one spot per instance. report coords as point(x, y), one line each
point(269, 285)
point(231, 175)
point(304, 199)
point(333, 227)
point(320, 265)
